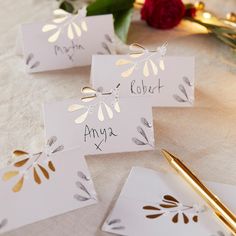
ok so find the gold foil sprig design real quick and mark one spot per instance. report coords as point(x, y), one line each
point(36, 163)
point(75, 25)
point(173, 207)
point(100, 103)
point(150, 60)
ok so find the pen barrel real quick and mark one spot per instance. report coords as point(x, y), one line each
point(223, 213)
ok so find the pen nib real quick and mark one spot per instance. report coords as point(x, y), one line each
point(169, 157)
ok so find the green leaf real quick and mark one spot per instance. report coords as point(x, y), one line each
point(228, 41)
point(207, 25)
point(122, 23)
point(67, 6)
point(189, 6)
point(225, 30)
point(101, 7)
point(225, 34)
point(121, 10)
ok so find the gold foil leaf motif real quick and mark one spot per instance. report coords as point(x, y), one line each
point(10, 174)
point(20, 153)
point(104, 109)
point(149, 60)
point(18, 185)
point(21, 163)
point(178, 211)
point(36, 177)
point(72, 25)
point(34, 163)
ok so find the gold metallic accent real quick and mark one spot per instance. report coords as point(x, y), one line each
point(121, 62)
point(162, 65)
point(32, 163)
point(75, 107)
point(88, 90)
point(139, 56)
point(96, 95)
point(82, 118)
point(117, 106)
point(89, 99)
point(84, 26)
point(21, 163)
point(206, 15)
point(44, 171)
point(10, 174)
point(100, 113)
point(199, 5)
point(222, 212)
point(18, 185)
point(138, 4)
point(51, 166)
point(231, 16)
point(64, 21)
point(20, 153)
point(174, 208)
point(36, 177)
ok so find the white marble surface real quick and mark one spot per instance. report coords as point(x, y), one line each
point(204, 136)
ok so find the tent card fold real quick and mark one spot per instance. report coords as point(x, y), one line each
point(101, 124)
point(153, 203)
point(164, 81)
point(44, 184)
point(66, 41)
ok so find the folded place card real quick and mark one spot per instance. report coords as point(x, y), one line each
point(41, 185)
point(101, 123)
point(153, 203)
point(165, 81)
point(66, 41)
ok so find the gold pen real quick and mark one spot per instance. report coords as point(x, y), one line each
point(224, 214)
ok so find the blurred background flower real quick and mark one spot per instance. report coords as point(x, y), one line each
point(162, 14)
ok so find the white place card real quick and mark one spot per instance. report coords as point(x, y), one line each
point(41, 185)
point(153, 203)
point(105, 124)
point(66, 41)
point(165, 81)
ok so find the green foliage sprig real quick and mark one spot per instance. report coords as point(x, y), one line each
point(122, 11)
point(225, 34)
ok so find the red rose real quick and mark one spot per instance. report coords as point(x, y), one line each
point(163, 14)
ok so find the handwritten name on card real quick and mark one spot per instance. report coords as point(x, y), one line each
point(103, 135)
point(67, 41)
point(173, 85)
point(104, 125)
point(142, 88)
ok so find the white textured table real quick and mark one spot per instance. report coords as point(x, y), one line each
point(205, 136)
